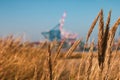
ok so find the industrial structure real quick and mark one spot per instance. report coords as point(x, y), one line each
point(58, 33)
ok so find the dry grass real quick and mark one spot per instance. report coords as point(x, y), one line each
point(24, 62)
point(105, 42)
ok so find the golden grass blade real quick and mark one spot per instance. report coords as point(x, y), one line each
point(58, 50)
point(100, 33)
point(111, 36)
point(92, 27)
point(105, 39)
point(70, 51)
point(109, 46)
point(90, 59)
point(102, 39)
point(49, 63)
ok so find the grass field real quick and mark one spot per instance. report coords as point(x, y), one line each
point(24, 62)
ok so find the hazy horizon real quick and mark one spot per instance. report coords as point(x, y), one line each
point(31, 17)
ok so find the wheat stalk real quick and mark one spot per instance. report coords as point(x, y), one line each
point(58, 50)
point(92, 27)
point(70, 51)
point(90, 58)
point(109, 46)
point(49, 62)
point(103, 43)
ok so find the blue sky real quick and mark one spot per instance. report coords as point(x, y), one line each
point(35, 16)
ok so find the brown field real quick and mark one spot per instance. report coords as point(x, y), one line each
point(24, 62)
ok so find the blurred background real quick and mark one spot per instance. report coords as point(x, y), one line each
point(31, 17)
